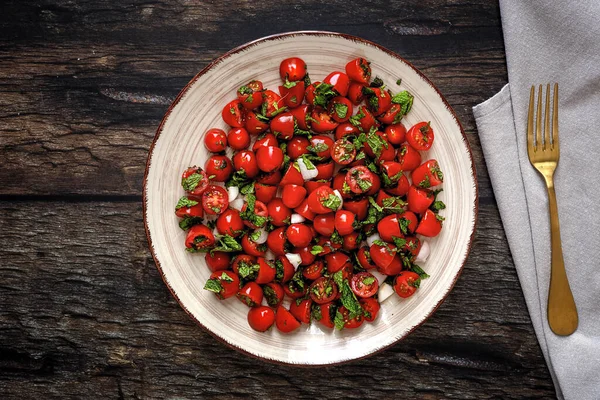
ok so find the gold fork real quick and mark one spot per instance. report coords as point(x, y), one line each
point(543, 155)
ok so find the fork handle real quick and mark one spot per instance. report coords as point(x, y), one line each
point(562, 312)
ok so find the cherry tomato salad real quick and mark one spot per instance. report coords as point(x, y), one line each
point(317, 194)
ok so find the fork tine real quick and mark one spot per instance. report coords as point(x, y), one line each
point(530, 120)
point(554, 143)
point(547, 120)
point(538, 121)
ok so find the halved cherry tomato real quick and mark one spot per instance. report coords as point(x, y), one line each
point(322, 122)
point(293, 195)
point(321, 146)
point(370, 307)
point(344, 222)
point(218, 168)
point(215, 200)
point(274, 294)
point(378, 100)
point(340, 109)
point(269, 158)
point(251, 294)
point(340, 82)
point(304, 210)
point(247, 261)
point(408, 219)
point(260, 209)
point(234, 114)
point(266, 140)
point(420, 136)
point(250, 95)
point(323, 290)
point(282, 126)
point(270, 178)
point(266, 272)
point(406, 283)
point(395, 133)
point(293, 290)
point(343, 152)
point(408, 157)
point(393, 114)
point(346, 129)
point(401, 187)
point(325, 170)
point(382, 255)
point(252, 248)
point(314, 271)
point(389, 227)
point(355, 93)
point(194, 181)
point(299, 235)
point(246, 160)
point(215, 140)
point(430, 225)
point(419, 199)
point(360, 179)
point(292, 93)
point(311, 186)
point(265, 193)
point(280, 213)
point(358, 207)
point(350, 323)
point(323, 200)
point(301, 113)
point(230, 223)
point(187, 207)
point(285, 321)
point(336, 261)
point(199, 237)
point(364, 258)
point(324, 224)
point(261, 318)
point(297, 147)
point(288, 269)
point(292, 176)
point(339, 183)
point(256, 123)
point(351, 241)
point(305, 254)
point(301, 310)
point(272, 104)
point(309, 93)
point(276, 241)
point(364, 284)
point(427, 174)
point(238, 139)
point(225, 284)
point(359, 70)
point(365, 118)
point(292, 69)
point(413, 245)
point(217, 260)
point(325, 314)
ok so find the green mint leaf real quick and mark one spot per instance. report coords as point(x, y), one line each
point(187, 222)
point(288, 84)
point(332, 201)
point(225, 277)
point(336, 238)
point(399, 242)
point(245, 90)
point(377, 82)
point(419, 271)
point(349, 300)
point(338, 278)
point(404, 223)
point(323, 93)
point(341, 110)
point(309, 165)
point(318, 147)
point(438, 205)
point(369, 280)
point(191, 182)
point(316, 314)
point(248, 270)
point(213, 285)
point(227, 244)
point(405, 99)
point(270, 295)
point(254, 236)
point(316, 250)
point(339, 321)
point(399, 82)
point(425, 183)
point(185, 202)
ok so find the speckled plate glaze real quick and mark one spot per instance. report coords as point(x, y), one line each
point(178, 144)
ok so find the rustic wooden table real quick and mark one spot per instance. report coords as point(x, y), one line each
point(84, 313)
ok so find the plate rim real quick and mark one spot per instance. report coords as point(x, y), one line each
point(239, 49)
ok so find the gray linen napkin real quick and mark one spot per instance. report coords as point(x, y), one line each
point(547, 42)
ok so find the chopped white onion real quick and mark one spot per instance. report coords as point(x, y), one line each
point(233, 192)
point(237, 204)
point(269, 255)
point(297, 219)
point(339, 195)
point(423, 252)
point(307, 174)
point(263, 236)
point(385, 291)
point(380, 277)
point(294, 259)
point(373, 238)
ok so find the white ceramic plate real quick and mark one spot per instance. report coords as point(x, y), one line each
point(178, 144)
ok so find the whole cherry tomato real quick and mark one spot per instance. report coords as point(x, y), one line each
point(261, 318)
point(234, 114)
point(217, 260)
point(246, 160)
point(292, 69)
point(218, 168)
point(238, 139)
point(430, 225)
point(427, 174)
point(359, 70)
point(395, 134)
point(230, 223)
point(420, 136)
point(215, 140)
point(280, 213)
point(269, 158)
point(293, 195)
point(419, 199)
point(340, 82)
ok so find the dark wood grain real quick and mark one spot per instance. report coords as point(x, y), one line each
point(83, 86)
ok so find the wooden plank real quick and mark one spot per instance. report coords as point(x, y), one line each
point(83, 85)
point(85, 314)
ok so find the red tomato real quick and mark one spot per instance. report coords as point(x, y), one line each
point(338, 184)
point(309, 93)
point(272, 103)
point(276, 241)
point(321, 121)
point(370, 307)
point(366, 120)
point(360, 179)
point(427, 174)
point(217, 260)
point(215, 140)
point(355, 93)
point(246, 160)
point(251, 294)
point(266, 272)
point(409, 220)
point(199, 237)
point(191, 208)
point(379, 101)
point(218, 168)
point(395, 134)
point(226, 284)
point(305, 255)
point(359, 70)
point(382, 256)
point(345, 129)
point(230, 223)
point(401, 187)
point(292, 69)
point(314, 271)
point(234, 114)
point(269, 158)
point(323, 200)
point(391, 115)
point(299, 235)
point(215, 200)
point(285, 321)
point(304, 210)
point(252, 248)
point(297, 147)
point(250, 95)
point(280, 214)
point(265, 193)
point(194, 181)
point(321, 146)
point(389, 227)
point(350, 323)
point(420, 136)
point(413, 245)
point(343, 152)
point(256, 123)
point(301, 113)
point(292, 176)
point(282, 126)
point(351, 241)
point(408, 157)
point(430, 225)
point(292, 93)
point(260, 209)
point(344, 222)
point(243, 260)
point(288, 269)
point(323, 290)
point(270, 178)
point(326, 314)
point(238, 139)
point(419, 199)
point(340, 82)
point(325, 171)
point(406, 283)
point(293, 195)
point(294, 291)
point(358, 207)
point(364, 284)
point(311, 186)
point(340, 109)
point(363, 256)
point(267, 140)
point(301, 310)
point(324, 224)
point(336, 261)
point(261, 318)
point(394, 268)
point(274, 294)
